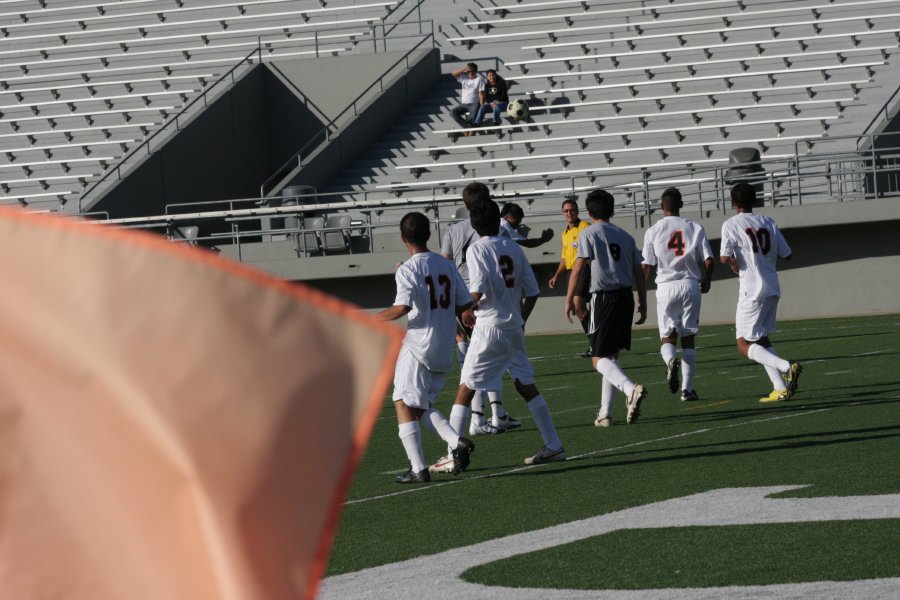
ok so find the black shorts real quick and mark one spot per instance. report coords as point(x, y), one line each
point(611, 317)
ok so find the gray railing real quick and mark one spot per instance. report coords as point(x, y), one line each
point(805, 178)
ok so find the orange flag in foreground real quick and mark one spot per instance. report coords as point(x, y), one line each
point(172, 425)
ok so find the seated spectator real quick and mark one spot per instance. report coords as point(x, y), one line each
point(471, 94)
point(496, 98)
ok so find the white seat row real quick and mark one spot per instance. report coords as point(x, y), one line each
point(693, 65)
point(727, 18)
point(696, 113)
point(88, 115)
point(164, 15)
point(712, 96)
point(586, 11)
point(804, 41)
point(526, 6)
point(607, 153)
point(549, 175)
point(722, 32)
point(626, 136)
point(5, 87)
point(677, 82)
point(143, 97)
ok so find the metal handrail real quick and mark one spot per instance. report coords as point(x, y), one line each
point(884, 109)
point(325, 133)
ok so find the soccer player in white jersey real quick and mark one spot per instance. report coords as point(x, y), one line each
point(431, 291)
point(505, 291)
point(609, 256)
point(457, 239)
point(680, 251)
point(751, 246)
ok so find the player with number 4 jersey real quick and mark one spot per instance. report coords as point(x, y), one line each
point(679, 250)
point(751, 246)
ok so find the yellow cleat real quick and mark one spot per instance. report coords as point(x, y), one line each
point(775, 396)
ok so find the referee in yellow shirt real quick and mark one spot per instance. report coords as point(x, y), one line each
point(574, 227)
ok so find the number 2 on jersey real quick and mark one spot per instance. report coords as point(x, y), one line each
point(676, 242)
point(444, 299)
point(507, 270)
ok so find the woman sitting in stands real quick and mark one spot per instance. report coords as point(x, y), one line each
point(495, 98)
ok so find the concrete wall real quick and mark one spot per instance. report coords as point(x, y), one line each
point(222, 153)
point(387, 105)
point(846, 261)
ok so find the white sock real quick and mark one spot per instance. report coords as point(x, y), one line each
point(776, 379)
point(767, 358)
point(411, 436)
point(459, 414)
point(478, 408)
point(688, 364)
point(497, 409)
point(612, 373)
point(441, 427)
point(607, 393)
point(461, 349)
point(538, 408)
point(668, 352)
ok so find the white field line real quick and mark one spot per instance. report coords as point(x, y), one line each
point(613, 449)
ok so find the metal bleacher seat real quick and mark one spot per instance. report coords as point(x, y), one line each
point(336, 234)
point(309, 241)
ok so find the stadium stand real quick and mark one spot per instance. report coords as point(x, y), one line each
point(105, 106)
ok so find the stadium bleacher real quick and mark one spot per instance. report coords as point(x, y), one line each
point(630, 96)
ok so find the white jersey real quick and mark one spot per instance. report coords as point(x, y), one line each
point(756, 242)
point(499, 270)
point(457, 239)
point(613, 254)
point(431, 286)
point(677, 247)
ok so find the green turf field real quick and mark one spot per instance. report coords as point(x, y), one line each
point(839, 436)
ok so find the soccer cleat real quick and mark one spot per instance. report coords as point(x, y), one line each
point(775, 396)
point(689, 396)
point(505, 423)
point(460, 456)
point(546, 455)
point(633, 403)
point(586, 353)
point(792, 377)
point(485, 429)
point(411, 476)
point(672, 374)
point(602, 421)
point(443, 465)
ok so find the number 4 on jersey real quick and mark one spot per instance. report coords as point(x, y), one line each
point(676, 242)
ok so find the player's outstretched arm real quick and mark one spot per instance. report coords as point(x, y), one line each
point(393, 313)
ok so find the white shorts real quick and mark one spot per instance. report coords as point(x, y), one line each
point(678, 307)
point(491, 352)
point(755, 319)
point(414, 384)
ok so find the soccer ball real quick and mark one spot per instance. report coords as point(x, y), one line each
point(517, 110)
